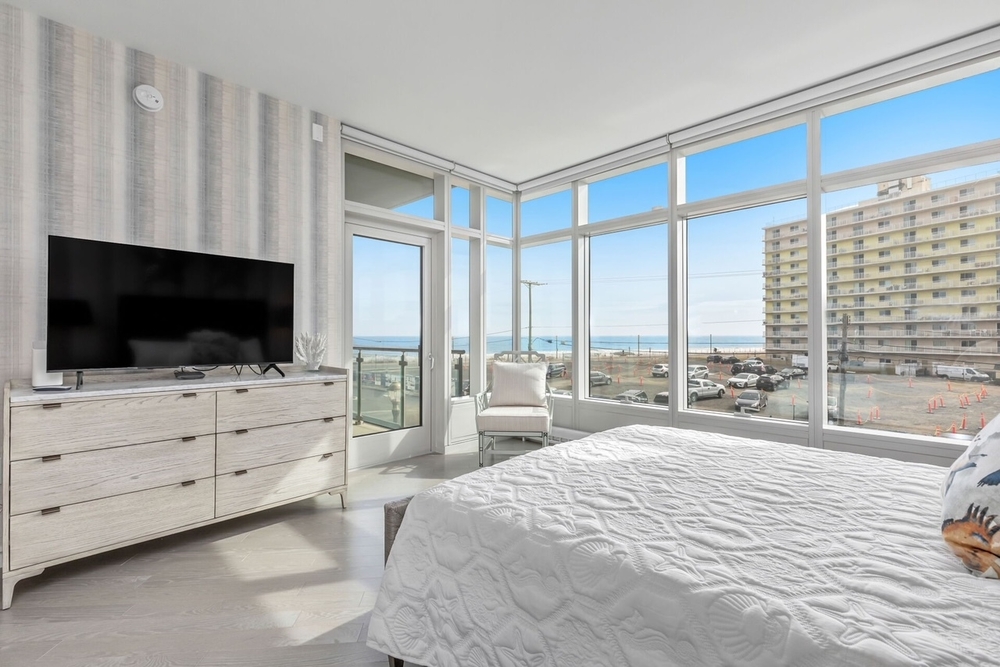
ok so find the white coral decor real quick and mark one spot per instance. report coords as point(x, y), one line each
point(310, 350)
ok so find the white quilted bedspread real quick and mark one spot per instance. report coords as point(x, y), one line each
point(655, 546)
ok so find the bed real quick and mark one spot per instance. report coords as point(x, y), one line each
point(655, 546)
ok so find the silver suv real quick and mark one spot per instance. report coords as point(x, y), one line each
point(704, 389)
point(661, 370)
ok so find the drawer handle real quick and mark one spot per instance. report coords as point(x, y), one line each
point(242, 391)
point(51, 406)
point(50, 510)
point(53, 457)
point(189, 395)
point(328, 419)
point(240, 472)
point(241, 431)
point(326, 456)
point(189, 438)
point(189, 482)
point(329, 384)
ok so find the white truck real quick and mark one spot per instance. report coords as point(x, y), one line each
point(960, 373)
point(800, 361)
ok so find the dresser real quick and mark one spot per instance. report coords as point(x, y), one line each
point(130, 458)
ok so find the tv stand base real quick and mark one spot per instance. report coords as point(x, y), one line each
point(275, 367)
point(188, 375)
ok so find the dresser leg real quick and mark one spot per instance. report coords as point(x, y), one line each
point(343, 499)
point(395, 662)
point(11, 578)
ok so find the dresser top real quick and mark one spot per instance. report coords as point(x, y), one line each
point(108, 385)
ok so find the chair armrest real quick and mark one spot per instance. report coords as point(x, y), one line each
point(482, 401)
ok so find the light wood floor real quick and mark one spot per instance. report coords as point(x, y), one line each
point(290, 586)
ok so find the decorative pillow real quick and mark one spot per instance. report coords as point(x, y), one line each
point(971, 504)
point(518, 384)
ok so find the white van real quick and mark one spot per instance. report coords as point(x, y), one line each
point(961, 373)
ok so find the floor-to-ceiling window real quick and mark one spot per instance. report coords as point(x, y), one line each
point(913, 269)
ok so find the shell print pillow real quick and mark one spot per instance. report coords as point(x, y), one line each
point(971, 504)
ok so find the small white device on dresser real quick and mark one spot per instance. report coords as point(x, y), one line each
point(40, 377)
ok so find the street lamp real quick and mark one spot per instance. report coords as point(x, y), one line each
point(530, 284)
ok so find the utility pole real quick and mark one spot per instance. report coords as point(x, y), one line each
point(530, 284)
point(844, 322)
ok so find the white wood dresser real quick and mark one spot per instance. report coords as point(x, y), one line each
point(129, 458)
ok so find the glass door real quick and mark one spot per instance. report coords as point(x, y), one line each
point(389, 354)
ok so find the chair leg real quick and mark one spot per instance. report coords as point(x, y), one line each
point(482, 439)
point(545, 439)
point(395, 662)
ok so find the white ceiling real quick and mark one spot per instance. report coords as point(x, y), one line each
point(521, 88)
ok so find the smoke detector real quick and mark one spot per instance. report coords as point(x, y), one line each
point(148, 97)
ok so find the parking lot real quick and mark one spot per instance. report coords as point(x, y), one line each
point(920, 405)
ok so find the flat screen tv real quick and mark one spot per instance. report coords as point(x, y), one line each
point(114, 305)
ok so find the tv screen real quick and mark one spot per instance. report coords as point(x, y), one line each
point(113, 305)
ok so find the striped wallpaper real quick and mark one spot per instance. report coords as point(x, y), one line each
point(220, 169)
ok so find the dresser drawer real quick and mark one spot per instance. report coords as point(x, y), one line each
point(75, 478)
point(253, 407)
point(63, 428)
point(256, 487)
point(75, 529)
point(256, 447)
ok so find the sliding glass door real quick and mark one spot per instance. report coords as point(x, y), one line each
point(389, 354)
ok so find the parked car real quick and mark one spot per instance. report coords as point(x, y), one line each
point(599, 378)
point(632, 396)
point(704, 389)
point(792, 372)
point(714, 359)
point(960, 373)
point(748, 366)
point(731, 359)
point(832, 409)
point(661, 370)
point(751, 400)
point(698, 372)
point(771, 382)
point(662, 398)
point(755, 359)
point(556, 371)
point(769, 370)
point(742, 380)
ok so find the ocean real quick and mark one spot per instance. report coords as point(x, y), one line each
point(609, 344)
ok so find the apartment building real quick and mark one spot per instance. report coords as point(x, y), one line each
point(915, 270)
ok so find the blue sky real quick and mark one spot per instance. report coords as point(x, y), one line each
point(725, 251)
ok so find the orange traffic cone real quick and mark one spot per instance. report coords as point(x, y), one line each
point(979, 399)
point(954, 428)
point(982, 420)
point(930, 407)
point(860, 421)
point(949, 385)
point(619, 379)
point(910, 382)
point(878, 413)
point(964, 424)
point(937, 430)
point(732, 392)
point(869, 392)
point(869, 379)
point(940, 401)
point(640, 380)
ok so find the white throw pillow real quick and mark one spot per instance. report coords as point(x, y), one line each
point(518, 384)
point(971, 504)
